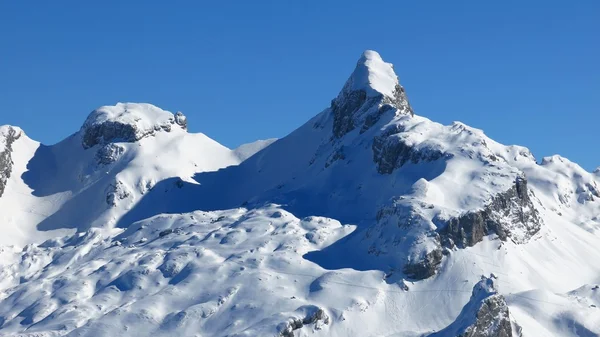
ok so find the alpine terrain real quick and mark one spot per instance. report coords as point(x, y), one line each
point(368, 220)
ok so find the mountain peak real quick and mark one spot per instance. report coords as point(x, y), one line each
point(127, 122)
point(374, 75)
point(371, 90)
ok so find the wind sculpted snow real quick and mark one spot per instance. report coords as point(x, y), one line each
point(368, 220)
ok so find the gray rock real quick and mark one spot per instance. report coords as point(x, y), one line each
point(6, 161)
point(181, 120)
point(115, 192)
point(318, 316)
point(485, 315)
point(391, 152)
point(109, 153)
point(507, 211)
point(127, 122)
point(424, 267)
point(110, 131)
point(492, 319)
point(353, 107)
point(345, 108)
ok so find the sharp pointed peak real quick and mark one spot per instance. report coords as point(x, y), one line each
point(373, 75)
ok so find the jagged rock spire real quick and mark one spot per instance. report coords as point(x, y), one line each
point(371, 90)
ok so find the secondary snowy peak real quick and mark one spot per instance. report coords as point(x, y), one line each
point(128, 122)
point(372, 90)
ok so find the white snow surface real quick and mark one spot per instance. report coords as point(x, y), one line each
point(247, 150)
point(143, 115)
point(373, 75)
point(175, 234)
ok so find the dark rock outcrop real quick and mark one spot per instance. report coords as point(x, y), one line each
point(116, 192)
point(344, 109)
point(109, 153)
point(110, 131)
point(485, 315)
point(424, 267)
point(317, 316)
point(181, 120)
point(353, 107)
point(507, 211)
point(390, 151)
point(6, 162)
point(127, 122)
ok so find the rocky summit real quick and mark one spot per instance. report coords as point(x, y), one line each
point(367, 220)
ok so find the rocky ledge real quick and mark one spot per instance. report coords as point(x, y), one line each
point(391, 151)
point(510, 214)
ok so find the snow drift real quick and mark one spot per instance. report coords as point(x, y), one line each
point(367, 220)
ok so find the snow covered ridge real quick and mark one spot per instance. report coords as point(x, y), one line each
point(368, 220)
point(128, 122)
point(201, 273)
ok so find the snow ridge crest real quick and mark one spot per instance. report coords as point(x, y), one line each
point(128, 122)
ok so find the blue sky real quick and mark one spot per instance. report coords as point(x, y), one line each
point(526, 72)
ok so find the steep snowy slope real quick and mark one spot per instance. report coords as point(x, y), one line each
point(412, 186)
point(94, 176)
point(384, 224)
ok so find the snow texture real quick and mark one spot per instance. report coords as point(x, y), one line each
point(368, 220)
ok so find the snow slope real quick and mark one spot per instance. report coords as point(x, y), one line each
point(368, 220)
point(246, 151)
point(72, 186)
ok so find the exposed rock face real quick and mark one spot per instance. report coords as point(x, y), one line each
point(509, 215)
point(390, 151)
point(109, 153)
point(181, 120)
point(351, 108)
point(371, 91)
point(492, 319)
point(116, 192)
point(127, 122)
point(425, 267)
point(317, 318)
point(6, 162)
point(110, 132)
point(485, 315)
point(406, 234)
point(345, 108)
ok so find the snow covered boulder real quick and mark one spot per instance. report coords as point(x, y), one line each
point(127, 122)
point(8, 135)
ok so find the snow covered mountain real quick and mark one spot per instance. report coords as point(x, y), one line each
point(368, 220)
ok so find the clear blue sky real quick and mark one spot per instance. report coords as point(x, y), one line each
point(526, 72)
